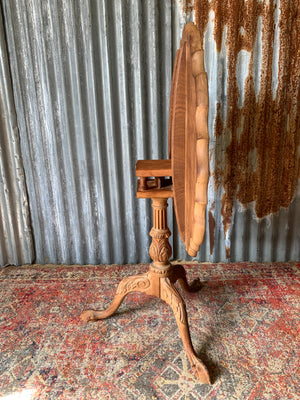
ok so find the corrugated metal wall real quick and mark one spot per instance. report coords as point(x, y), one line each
point(91, 83)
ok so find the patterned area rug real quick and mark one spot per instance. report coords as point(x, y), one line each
point(244, 325)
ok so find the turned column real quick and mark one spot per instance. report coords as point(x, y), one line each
point(160, 250)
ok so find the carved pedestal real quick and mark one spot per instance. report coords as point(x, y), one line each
point(159, 281)
point(160, 250)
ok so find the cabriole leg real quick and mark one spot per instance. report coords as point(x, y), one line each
point(137, 283)
point(178, 274)
point(171, 296)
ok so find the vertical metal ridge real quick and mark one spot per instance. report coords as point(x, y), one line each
point(143, 210)
point(152, 81)
point(101, 196)
point(95, 170)
point(127, 195)
point(40, 23)
point(57, 84)
point(108, 82)
point(81, 150)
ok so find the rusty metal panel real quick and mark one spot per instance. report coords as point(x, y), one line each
point(252, 60)
point(16, 244)
point(91, 82)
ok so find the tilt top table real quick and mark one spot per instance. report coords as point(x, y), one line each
point(183, 177)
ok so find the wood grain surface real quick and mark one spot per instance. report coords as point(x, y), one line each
point(188, 139)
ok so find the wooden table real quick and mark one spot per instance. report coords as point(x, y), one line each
point(183, 177)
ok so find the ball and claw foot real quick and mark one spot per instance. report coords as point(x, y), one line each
point(199, 370)
point(178, 274)
point(89, 316)
point(192, 287)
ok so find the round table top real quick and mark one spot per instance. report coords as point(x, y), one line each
point(188, 139)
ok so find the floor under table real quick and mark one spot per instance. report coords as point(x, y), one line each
point(244, 324)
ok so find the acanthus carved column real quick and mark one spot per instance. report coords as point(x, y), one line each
point(160, 250)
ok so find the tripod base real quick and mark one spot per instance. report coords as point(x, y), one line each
point(159, 282)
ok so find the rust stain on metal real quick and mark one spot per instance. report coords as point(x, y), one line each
point(201, 15)
point(261, 160)
point(227, 252)
point(212, 225)
point(219, 126)
point(187, 6)
point(226, 213)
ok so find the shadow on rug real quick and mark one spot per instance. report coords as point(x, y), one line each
point(244, 325)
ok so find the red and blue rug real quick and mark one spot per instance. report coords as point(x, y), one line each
point(244, 325)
